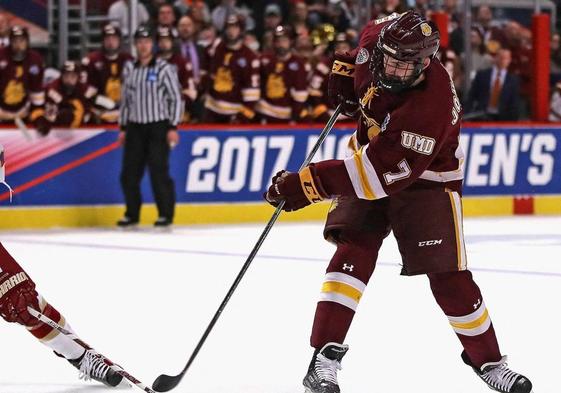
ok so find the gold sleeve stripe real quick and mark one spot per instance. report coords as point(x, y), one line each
point(456, 203)
point(309, 186)
point(363, 178)
point(319, 110)
point(342, 68)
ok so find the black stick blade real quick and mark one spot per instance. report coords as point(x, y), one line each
point(165, 383)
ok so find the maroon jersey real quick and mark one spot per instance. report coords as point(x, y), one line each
point(284, 88)
point(232, 80)
point(318, 89)
point(184, 70)
point(105, 74)
point(21, 84)
point(69, 109)
point(403, 138)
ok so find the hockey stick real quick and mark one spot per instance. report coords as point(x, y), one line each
point(23, 128)
point(165, 382)
point(43, 318)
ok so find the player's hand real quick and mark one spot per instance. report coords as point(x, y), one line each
point(121, 138)
point(14, 303)
point(340, 87)
point(173, 138)
point(298, 190)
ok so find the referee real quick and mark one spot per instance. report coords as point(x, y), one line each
point(150, 111)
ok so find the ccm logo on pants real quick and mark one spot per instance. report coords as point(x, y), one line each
point(430, 243)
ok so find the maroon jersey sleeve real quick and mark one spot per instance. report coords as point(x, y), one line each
point(418, 140)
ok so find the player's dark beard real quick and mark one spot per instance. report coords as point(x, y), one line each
point(233, 41)
point(110, 53)
point(18, 55)
point(281, 52)
point(68, 88)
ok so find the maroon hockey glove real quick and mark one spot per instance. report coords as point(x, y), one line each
point(341, 84)
point(17, 292)
point(297, 189)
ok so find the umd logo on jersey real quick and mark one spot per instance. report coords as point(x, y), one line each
point(420, 144)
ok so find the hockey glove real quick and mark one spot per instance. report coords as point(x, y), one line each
point(42, 125)
point(298, 190)
point(341, 84)
point(17, 292)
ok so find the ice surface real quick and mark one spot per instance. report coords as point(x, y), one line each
point(144, 298)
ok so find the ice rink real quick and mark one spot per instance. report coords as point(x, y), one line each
point(144, 298)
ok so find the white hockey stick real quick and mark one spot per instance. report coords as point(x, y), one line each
point(23, 128)
point(43, 318)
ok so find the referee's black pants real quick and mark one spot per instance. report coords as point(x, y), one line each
point(146, 144)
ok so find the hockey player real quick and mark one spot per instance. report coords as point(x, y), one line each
point(231, 77)
point(404, 175)
point(321, 110)
point(284, 86)
point(17, 292)
point(68, 101)
point(102, 69)
point(184, 68)
point(21, 77)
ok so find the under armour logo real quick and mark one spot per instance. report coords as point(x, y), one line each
point(476, 305)
point(348, 267)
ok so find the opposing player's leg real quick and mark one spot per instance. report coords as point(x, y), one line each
point(358, 229)
point(17, 292)
point(428, 226)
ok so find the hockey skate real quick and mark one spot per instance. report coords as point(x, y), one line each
point(322, 373)
point(499, 377)
point(92, 367)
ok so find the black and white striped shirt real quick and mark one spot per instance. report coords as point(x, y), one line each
point(150, 94)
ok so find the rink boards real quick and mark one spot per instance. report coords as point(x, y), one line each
point(71, 177)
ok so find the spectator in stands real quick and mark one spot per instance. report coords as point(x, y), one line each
point(283, 82)
point(421, 7)
point(231, 77)
point(555, 104)
point(188, 45)
point(220, 13)
point(119, 15)
point(388, 7)
point(102, 69)
point(187, 6)
point(351, 12)
point(207, 35)
point(555, 57)
point(200, 14)
point(272, 17)
point(4, 30)
point(166, 18)
point(493, 35)
point(21, 78)
point(169, 52)
point(69, 101)
point(480, 59)
point(299, 19)
point(495, 92)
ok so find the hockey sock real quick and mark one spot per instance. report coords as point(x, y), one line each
point(345, 281)
point(59, 343)
point(460, 299)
